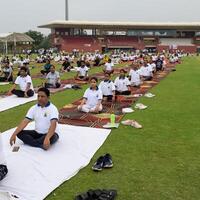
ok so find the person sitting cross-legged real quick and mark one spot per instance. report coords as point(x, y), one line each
point(122, 84)
point(108, 88)
point(82, 73)
point(47, 67)
point(159, 64)
point(109, 67)
point(92, 98)
point(66, 66)
point(6, 73)
point(25, 84)
point(134, 76)
point(52, 79)
point(45, 115)
point(146, 72)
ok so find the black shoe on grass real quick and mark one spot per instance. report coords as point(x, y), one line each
point(98, 165)
point(107, 162)
point(108, 195)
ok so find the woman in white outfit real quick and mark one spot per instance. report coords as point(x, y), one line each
point(92, 98)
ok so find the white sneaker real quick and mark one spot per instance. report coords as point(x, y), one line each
point(132, 123)
point(140, 106)
point(127, 110)
point(137, 95)
point(127, 122)
point(149, 95)
point(136, 124)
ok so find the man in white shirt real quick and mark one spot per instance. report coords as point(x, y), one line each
point(52, 79)
point(25, 84)
point(20, 62)
point(122, 84)
point(82, 72)
point(6, 73)
point(108, 88)
point(92, 98)
point(145, 72)
point(134, 76)
point(153, 66)
point(109, 67)
point(45, 115)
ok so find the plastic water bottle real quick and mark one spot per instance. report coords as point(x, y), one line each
point(112, 119)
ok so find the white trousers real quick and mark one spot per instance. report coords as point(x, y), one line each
point(138, 83)
point(87, 108)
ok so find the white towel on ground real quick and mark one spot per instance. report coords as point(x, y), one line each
point(34, 173)
point(4, 83)
point(14, 101)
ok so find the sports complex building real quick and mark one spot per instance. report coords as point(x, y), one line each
point(90, 36)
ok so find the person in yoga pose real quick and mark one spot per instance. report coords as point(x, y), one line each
point(92, 98)
point(45, 115)
point(52, 79)
point(109, 67)
point(25, 84)
point(146, 71)
point(47, 67)
point(66, 66)
point(122, 84)
point(108, 88)
point(82, 73)
point(134, 76)
point(6, 74)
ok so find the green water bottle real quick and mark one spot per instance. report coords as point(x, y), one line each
point(112, 119)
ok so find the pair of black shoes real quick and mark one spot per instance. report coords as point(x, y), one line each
point(103, 162)
point(97, 195)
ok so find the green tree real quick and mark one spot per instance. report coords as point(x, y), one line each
point(46, 42)
point(37, 36)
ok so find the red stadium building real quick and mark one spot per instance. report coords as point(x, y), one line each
point(91, 36)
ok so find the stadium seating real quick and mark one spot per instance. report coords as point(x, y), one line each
point(84, 43)
point(176, 41)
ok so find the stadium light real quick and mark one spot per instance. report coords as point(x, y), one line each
point(66, 10)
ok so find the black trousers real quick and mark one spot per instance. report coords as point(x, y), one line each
point(159, 68)
point(82, 78)
point(109, 97)
point(147, 78)
point(123, 93)
point(20, 93)
point(48, 85)
point(34, 139)
point(109, 72)
point(44, 72)
point(4, 79)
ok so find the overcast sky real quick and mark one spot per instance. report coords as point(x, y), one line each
point(23, 15)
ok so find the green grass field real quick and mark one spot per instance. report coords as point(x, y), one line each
point(158, 162)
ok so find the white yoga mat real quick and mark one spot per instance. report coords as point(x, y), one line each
point(35, 173)
point(4, 83)
point(13, 101)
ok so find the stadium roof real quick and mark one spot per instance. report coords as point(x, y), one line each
point(18, 37)
point(123, 25)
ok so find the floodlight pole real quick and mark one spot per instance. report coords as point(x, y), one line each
point(15, 45)
point(66, 10)
point(6, 47)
